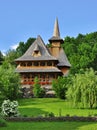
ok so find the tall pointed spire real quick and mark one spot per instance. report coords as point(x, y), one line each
point(56, 32)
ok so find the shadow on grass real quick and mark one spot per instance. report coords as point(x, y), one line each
point(51, 126)
point(35, 101)
point(26, 102)
point(30, 112)
point(78, 126)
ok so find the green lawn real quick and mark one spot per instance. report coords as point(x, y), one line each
point(51, 126)
point(36, 107)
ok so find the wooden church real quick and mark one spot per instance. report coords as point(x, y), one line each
point(47, 63)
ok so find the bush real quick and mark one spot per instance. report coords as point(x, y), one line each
point(42, 93)
point(60, 88)
point(38, 91)
point(9, 109)
point(51, 114)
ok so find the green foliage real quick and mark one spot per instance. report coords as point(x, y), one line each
point(9, 81)
point(21, 49)
point(83, 90)
point(9, 108)
point(49, 114)
point(60, 87)
point(11, 55)
point(38, 91)
point(1, 58)
point(81, 51)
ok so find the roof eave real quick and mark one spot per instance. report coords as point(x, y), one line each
point(56, 39)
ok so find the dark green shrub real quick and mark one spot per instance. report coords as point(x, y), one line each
point(51, 114)
point(68, 115)
point(25, 116)
point(38, 91)
point(60, 88)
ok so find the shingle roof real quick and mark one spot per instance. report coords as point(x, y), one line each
point(44, 54)
point(36, 47)
point(62, 58)
point(37, 69)
point(56, 39)
point(40, 46)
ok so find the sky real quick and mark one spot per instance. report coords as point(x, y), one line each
point(22, 19)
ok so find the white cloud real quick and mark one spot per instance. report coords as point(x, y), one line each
point(14, 46)
point(3, 52)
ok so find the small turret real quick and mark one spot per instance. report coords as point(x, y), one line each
point(56, 34)
point(56, 41)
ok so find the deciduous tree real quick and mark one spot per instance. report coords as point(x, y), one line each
point(83, 89)
point(9, 81)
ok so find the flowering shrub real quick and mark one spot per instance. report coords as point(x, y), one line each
point(10, 109)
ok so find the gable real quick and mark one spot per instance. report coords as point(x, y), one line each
point(37, 51)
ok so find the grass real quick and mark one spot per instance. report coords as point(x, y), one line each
point(51, 126)
point(40, 106)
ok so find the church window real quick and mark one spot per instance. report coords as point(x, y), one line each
point(29, 64)
point(23, 64)
point(49, 63)
point(42, 63)
point(36, 63)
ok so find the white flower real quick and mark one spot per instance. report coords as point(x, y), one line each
point(10, 108)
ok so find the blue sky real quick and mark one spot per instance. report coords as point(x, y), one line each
point(22, 19)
